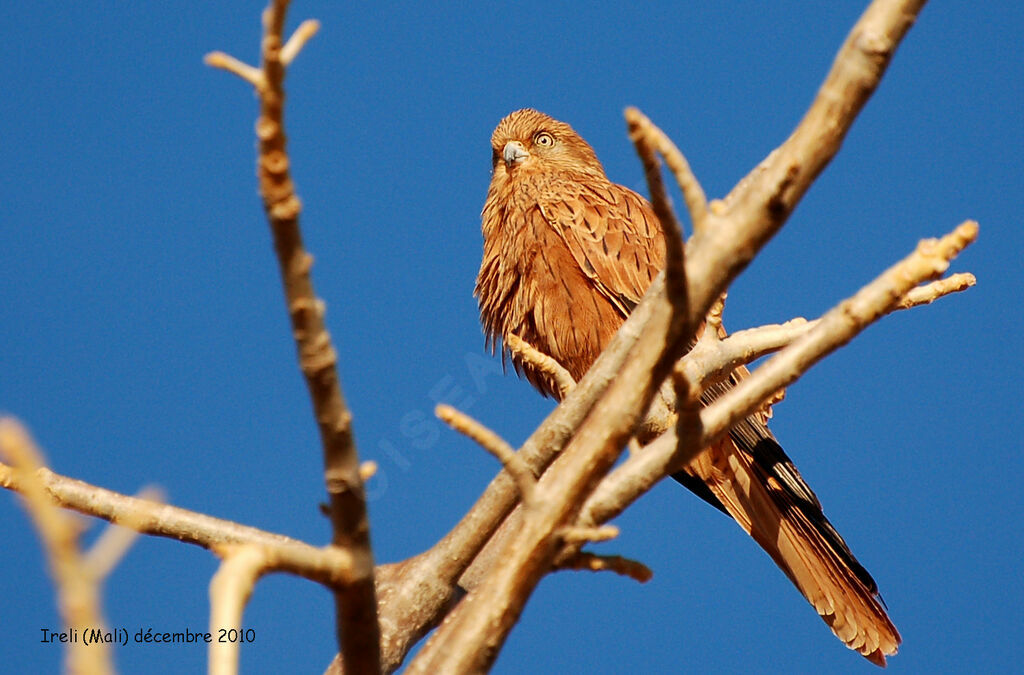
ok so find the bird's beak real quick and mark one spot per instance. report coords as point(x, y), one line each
point(514, 153)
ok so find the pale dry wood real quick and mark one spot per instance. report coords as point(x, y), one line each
point(253, 76)
point(577, 534)
point(329, 565)
point(112, 545)
point(356, 604)
point(303, 34)
point(494, 444)
point(929, 293)
point(645, 131)
point(78, 597)
point(544, 363)
point(593, 562)
point(230, 590)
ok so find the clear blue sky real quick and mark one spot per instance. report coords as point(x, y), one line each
point(143, 337)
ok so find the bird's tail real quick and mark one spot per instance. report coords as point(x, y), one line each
point(760, 488)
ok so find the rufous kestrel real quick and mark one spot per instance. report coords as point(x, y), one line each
point(567, 255)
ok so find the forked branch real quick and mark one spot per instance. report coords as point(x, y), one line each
point(356, 602)
point(813, 342)
point(77, 591)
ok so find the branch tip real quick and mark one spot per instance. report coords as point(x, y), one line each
point(542, 362)
point(584, 560)
point(367, 470)
point(576, 534)
point(641, 127)
point(250, 74)
point(494, 444)
point(303, 34)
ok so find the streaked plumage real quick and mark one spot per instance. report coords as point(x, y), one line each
point(567, 255)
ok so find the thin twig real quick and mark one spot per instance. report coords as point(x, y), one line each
point(230, 589)
point(655, 138)
point(303, 34)
point(582, 535)
point(711, 360)
point(929, 293)
point(584, 560)
point(494, 444)
point(714, 329)
point(253, 76)
point(542, 362)
point(112, 545)
point(675, 271)
point(77, 592)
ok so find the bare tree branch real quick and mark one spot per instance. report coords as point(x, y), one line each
point(612, 563)
point(356, 603)
point(583, 535)
point(330, 566)
point(645, 133)
point(929, 293)
point(835, 329)
point(303, 34)
point(111, 546)
point(494, 444)
point(886, 293)
point(77, 591)
point(230, 590)
point(543, 363)
point(712, 359)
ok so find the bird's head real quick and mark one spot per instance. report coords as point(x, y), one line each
point(530, 141)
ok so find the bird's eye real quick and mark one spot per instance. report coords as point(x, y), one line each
point(543, 139)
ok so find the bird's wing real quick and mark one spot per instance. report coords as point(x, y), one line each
point(612, 234)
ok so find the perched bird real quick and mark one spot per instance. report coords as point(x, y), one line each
point(567, 255)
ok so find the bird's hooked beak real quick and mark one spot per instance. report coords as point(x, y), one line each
point(514, 153)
